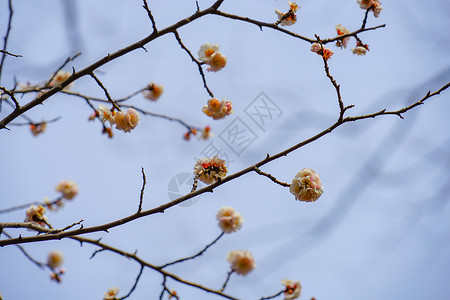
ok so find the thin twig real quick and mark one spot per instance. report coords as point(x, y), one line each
point(149, 13)
point(108, 96)
point(273, 296)
point(141, 197)
point(227, 280)
point(69, 59)
point(196, 255)
point(199, 64)
point(37, 263)
point(134, 285)
point(26, 205)
point(5, 39)
point(9, 53)
point(271, 177)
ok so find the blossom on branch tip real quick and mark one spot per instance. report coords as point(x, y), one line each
point(292, 290)
point(288, 18)
point(306, 186)
point(55, 259)
point(126, 121)
point(341, 30)
point(218, 109)
point(316, 47)
point(153, 91)
point(229, 219)
point(242, 261)
point(359, 50)
point(210, 55)
point(206, 133)
point(374, 5)
point(111, 293)
point(210, 170)
point(68, 188)
point(35, 215)
point(39, 128)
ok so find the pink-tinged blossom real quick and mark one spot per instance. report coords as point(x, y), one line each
point(126, 121)
point(37, 129)
point(153, 91)
point(206, 51)
point(35, 215)
point(242, 261)
point(306, 186)
point(341, 30)
point(327, 53)
point(288, 18)
point(68, 188)
point(218, 109)
point(316, 47)
point(55, 259)
point(292, 289)
point(229, 219)
point(111, 293)
point(210, 170)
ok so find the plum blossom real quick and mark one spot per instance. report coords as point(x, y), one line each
point(324, 52)
point(68, 188)
point(206, 133)
point(218, 109)
point(341, 30)
point(153, 91)
point(288, 18)
point(206, 51)
point(306, 186)
point(35, 215)
point(126, 121)
point(292, 290)
point(39, 128)
point(55, 259)
point(217, 62)
point(105, 114)
point(210, 170)
point(59, 77)
point(229, 219)
point(359, 50)
point(242, 261)
point(111, 293)
point(374, 5)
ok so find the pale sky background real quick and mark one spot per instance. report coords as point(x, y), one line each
point(381, 230)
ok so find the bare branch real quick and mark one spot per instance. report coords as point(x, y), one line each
point(227, 280)
point(196, 255)
point(40, 265)
point(134, 285)
point(100, 84)
point(147, 9)
point(141, 198)
point(199, 64)
point(5, 39)
point(257, 170)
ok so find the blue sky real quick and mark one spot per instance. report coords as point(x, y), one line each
point(381, 228)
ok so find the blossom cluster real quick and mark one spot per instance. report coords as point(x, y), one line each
point(306, 186)
point(218, 109)
point(374, 5)
point(324, 52)
point(360, 49)
point(210, 55)
point(125, 121)
point(210, 170)
point(288, 18)
point(229, 219)
point(242, 261)
point(153, 91)
point(35, 215)
point(341, 30)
